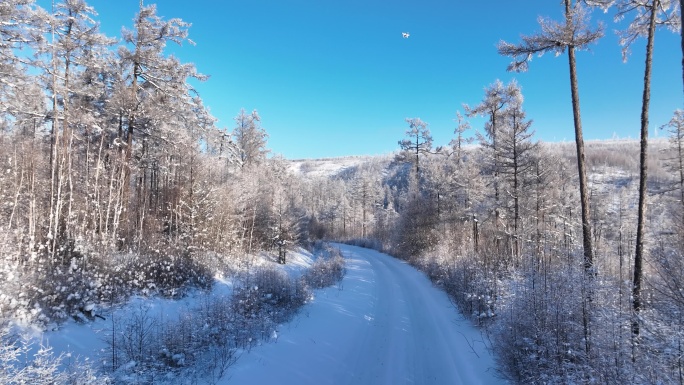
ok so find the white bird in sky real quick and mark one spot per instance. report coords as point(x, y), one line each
point(405, 35)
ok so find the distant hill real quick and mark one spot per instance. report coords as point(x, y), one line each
point(333, 167)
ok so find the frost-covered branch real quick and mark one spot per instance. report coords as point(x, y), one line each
point(554, 37)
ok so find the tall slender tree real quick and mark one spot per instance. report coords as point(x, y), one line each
point(457, 143)
point(676, 129)
point(497, 98)
point(574, 33)
point(516, 151)
point(76, 53)
point(648, 15)
point(419, 140)
point(681, 33)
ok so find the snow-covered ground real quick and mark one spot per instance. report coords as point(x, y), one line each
point(88, 341)
point(387, 324)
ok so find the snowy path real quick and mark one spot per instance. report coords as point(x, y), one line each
point(387, 325)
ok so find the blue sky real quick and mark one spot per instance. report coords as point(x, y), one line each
point(333, 78)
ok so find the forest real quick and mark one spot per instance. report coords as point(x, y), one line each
point(115, 180)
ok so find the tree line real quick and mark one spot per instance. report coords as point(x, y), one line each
point(576, 285)
point(115, 175)
point(498, 225)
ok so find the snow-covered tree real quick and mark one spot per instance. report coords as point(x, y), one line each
point(457, 143)
point(250, 139)
point(364, 192)
point(20, 28)
point(497, 98)
point(418, 141)
point(676, 129)
point(73, 57)
point(648, 14)
point(152, 79)
point(516, 151)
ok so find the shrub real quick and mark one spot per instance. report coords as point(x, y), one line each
point(326, 271)
point(20, 363)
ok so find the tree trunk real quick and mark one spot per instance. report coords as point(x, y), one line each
point(680, 159)
point(417, 152)
point(643, 170)
point(581, 166)
point(681, 25)
point(584, 194)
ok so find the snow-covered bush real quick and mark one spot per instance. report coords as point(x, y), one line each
point(22, 363)
point(367, 243)
point(539, 329)
point(166, 274)
point(270, 292)
point(326, 270)
point(204, 341)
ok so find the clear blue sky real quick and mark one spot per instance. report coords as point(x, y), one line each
point(334, 78)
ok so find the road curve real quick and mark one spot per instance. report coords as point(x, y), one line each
point(387, 324)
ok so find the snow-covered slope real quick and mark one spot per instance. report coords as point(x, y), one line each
point(327, 167)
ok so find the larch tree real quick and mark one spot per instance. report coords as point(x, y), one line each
point(250, 139)
point(676, 129)
point(516, 151)
point(151, 79)
point(418, 141)
point(574, 33)
point(460, 140)
point(22, 112)
point(497, 98)
point(19, 27)
point(76, 54)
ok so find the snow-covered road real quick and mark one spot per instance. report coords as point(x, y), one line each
point(386, 325)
